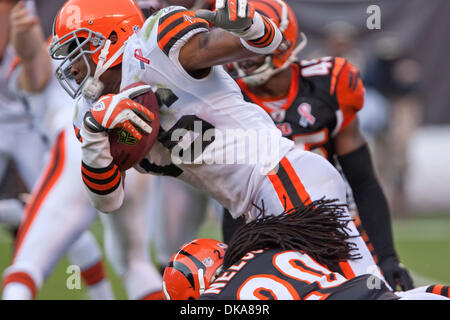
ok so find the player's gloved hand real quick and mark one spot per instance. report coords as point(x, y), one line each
point(258, 33)
point(120, 111)
point(396, 274)
point(232, 15)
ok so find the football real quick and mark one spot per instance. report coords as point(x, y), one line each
point(127, 150)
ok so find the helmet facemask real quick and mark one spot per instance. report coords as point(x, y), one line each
point(70, 48)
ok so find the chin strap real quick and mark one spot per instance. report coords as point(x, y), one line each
point(201, 281)
point(93, 87)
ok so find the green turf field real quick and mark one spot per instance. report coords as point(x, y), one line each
point(423, 246)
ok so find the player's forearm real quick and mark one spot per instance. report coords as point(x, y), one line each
point(219, 46)
point(370, 200)
point(212, 48)
point(36, 71)
point(101, 176)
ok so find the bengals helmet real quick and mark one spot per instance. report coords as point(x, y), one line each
point(284, 18)
point(84, 27)
point(192, 269)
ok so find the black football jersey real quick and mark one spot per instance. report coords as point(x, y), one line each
point(277, 274)
point(324, 96)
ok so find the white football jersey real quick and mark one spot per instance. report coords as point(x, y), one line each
point(13, 110)
point(52, 109)
point(209, 136)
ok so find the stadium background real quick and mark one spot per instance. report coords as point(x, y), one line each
point(406, 119)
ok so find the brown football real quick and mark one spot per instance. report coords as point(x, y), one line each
point(127, 150)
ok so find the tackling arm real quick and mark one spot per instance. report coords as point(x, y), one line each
point(241, 33)
point(355, 160)
point(354, 157)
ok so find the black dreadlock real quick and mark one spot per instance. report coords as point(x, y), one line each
point(318, 229)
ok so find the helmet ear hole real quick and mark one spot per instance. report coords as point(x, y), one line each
point(113, 37)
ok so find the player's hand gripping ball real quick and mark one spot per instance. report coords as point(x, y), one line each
point(131, 119)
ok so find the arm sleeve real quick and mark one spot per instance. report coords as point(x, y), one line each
point(100, 175)
point(370, 200)
point(176, 27)
point(348, 88)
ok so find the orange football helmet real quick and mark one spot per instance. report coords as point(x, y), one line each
point(284, 18)
point(84, 27)
point(192, 269)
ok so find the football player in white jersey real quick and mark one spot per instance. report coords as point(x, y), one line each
point(16, 129)
point(44, 227)
point(59, 211)
point(174, 52)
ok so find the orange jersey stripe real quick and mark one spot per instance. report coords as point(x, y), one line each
point(172, 18)
point(23, 278)
point(93, 274)
point(176, 25)
point(299, 187)
point(280, 190)
point(347, 270)
point(338, 65)
point(102, 187)
point(437, 289)
point(100, 176)
point(172, 33)
point(50, 177)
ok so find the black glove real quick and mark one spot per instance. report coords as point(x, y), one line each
point(396, 274)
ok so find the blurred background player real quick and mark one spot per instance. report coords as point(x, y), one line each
point(16, 128)
point(265, 261)
point(23, 280)
point(37, 250)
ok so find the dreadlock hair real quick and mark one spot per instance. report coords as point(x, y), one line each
point(318, 229)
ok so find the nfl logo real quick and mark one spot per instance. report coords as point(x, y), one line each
point(208, 262)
